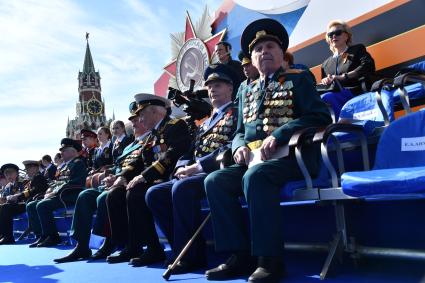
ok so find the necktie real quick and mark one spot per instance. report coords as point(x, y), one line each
point(213, 117)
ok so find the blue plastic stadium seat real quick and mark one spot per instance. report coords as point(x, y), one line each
point(321, 181)
point(363, 110)
point(414, 91)
point(399, 165)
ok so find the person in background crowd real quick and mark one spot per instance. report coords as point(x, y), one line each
point(14, 186)
point(94, 198)
point(58, 160)
point(175, 205)
point(250, 72)
point(89, 140)
point(3, 182)
point(273, 109)
point(33, 187)
point(63, 191)
point(120, 138)
point(131, 220)
point(49, 167)
point(103, 153)
point(289, 63)
point(348, 65)
point(223, 50)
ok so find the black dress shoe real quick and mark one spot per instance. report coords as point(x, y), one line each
point(124, 256)
point(104, 251)
point(147, 258)
point(183, 267)
point(76, 254)
point(7, 241)
point(50, 241)
point(269, 270)
point(235, 266)
point(38, 241)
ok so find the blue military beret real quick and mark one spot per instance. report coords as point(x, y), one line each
point(264, 29)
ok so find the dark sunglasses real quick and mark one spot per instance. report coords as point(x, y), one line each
point(337, 32)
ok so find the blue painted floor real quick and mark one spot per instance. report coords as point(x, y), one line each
point(20, 264)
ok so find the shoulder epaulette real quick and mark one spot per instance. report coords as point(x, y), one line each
point(294, 71)
point(173, 121)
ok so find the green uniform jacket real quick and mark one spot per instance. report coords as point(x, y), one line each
point(71, 176)
point(288, 104)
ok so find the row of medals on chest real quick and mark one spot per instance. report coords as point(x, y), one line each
point(219, 136)
point(277, 109)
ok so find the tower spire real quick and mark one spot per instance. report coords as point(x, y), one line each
point(88, 66)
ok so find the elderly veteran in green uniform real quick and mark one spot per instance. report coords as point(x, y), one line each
point(176, 205)
point(64, 191)
point(33, 187)
point(93, 199)
point(275, 106)
point(7, 208)
point(132, 223)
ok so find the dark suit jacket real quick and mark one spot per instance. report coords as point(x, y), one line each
point(102, 157)
point(239, 75)
point(160, 151)
point(34, 189)
point(356, 59)
point(50, 173)
point(118, 148)
point(213, 137)
point(290, 103)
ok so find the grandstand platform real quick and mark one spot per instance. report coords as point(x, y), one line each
point(19, 263)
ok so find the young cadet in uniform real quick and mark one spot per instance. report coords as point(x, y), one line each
point(250, 72)
point(131, 219)
point(34, 186)
point(176, 204)
point(89, 140)
point(14, 186)
point(65, 189)
point(274, 107)
point(95, 198)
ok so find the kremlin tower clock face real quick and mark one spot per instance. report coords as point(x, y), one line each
point(94, 107)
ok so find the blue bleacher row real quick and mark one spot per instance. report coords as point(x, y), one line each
point(367, 127)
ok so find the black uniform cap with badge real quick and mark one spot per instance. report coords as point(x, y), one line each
point(67, 142)
point(264, 29)
point(7, 167)
point(86, 133)
point(276, 96)
point(219, 72)
point(245, 59)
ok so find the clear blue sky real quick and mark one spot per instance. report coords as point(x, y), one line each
point(42, 50)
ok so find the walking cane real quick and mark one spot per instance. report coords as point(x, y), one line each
point(169, 270)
